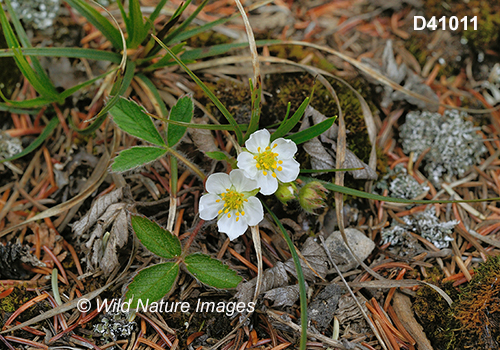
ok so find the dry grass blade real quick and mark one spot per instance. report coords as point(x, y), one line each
point(251, 42)
point(93, 183)
point(60, 309)
point(258, 252)
point(385, 80)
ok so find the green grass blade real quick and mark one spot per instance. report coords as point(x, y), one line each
point(165, 61)
point(172, 36)
point(300, 278)
point(162, 34)
point(286, 126)
point(213, 98)
point(377, 197)
point(201, 29)
point(99, 21)
point(311, 132)
point(40, 85)
point(157, 10)
point(71, 52)
point(67, 93)
point(137, 27)
point(216, 50)
point(256, 95)
point(37, 83)
point(6, 108)
point(242, 127)
point(38, 141)
point(25, 41)
point(121, 85)
point(159, 104)
point(32, 103)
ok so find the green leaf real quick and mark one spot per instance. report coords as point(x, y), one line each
point(311, 132)
point(217, 155)
point(151, 284)
point(211, 272)
point(285, 127)
point(131, 118)
point(156, 238)
point(181, 112)
point(135, 157)
point(99, 21)
point(38, 141)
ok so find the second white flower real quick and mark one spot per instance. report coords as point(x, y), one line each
point(267, 162)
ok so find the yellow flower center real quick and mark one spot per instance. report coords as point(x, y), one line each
point(268, 161)
point(232, 201)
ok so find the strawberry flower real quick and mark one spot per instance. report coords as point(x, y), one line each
point(267, 162)
point(231, 198)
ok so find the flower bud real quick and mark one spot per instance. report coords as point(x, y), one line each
point(312, 196)
point(286, 192)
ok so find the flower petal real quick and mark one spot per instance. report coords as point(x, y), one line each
point(240, 182)
point(254, 213)
point(258, 139)
point(290, 170)
point(268, 184)
point(231, 227)
point(247, 164)
point(209, 208)
point(286, 149)
point(218, 183)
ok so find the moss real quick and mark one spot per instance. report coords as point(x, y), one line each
point(473, 321)
point(417, 46)
point(294, 88)
point(487, 35)
point(297, 53)
point(13, 301)
point(208, 38)
point(435, 314)
point(478, 308)
point(234, 96)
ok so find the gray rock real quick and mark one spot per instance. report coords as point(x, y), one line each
point(361, 245)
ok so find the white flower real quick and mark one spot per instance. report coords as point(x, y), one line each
point(232, 199)
point(267, 162)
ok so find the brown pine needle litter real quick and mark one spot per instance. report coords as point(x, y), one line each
point(419, 108)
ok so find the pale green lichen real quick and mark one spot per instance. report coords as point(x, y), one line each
point(454, 143)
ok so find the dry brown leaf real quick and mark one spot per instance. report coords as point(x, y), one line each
point(323, 157)
point(109, 210)
point(203, 138)
point(273, 278)
point(398, 75)
point(283, 296)
point(316, 258)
